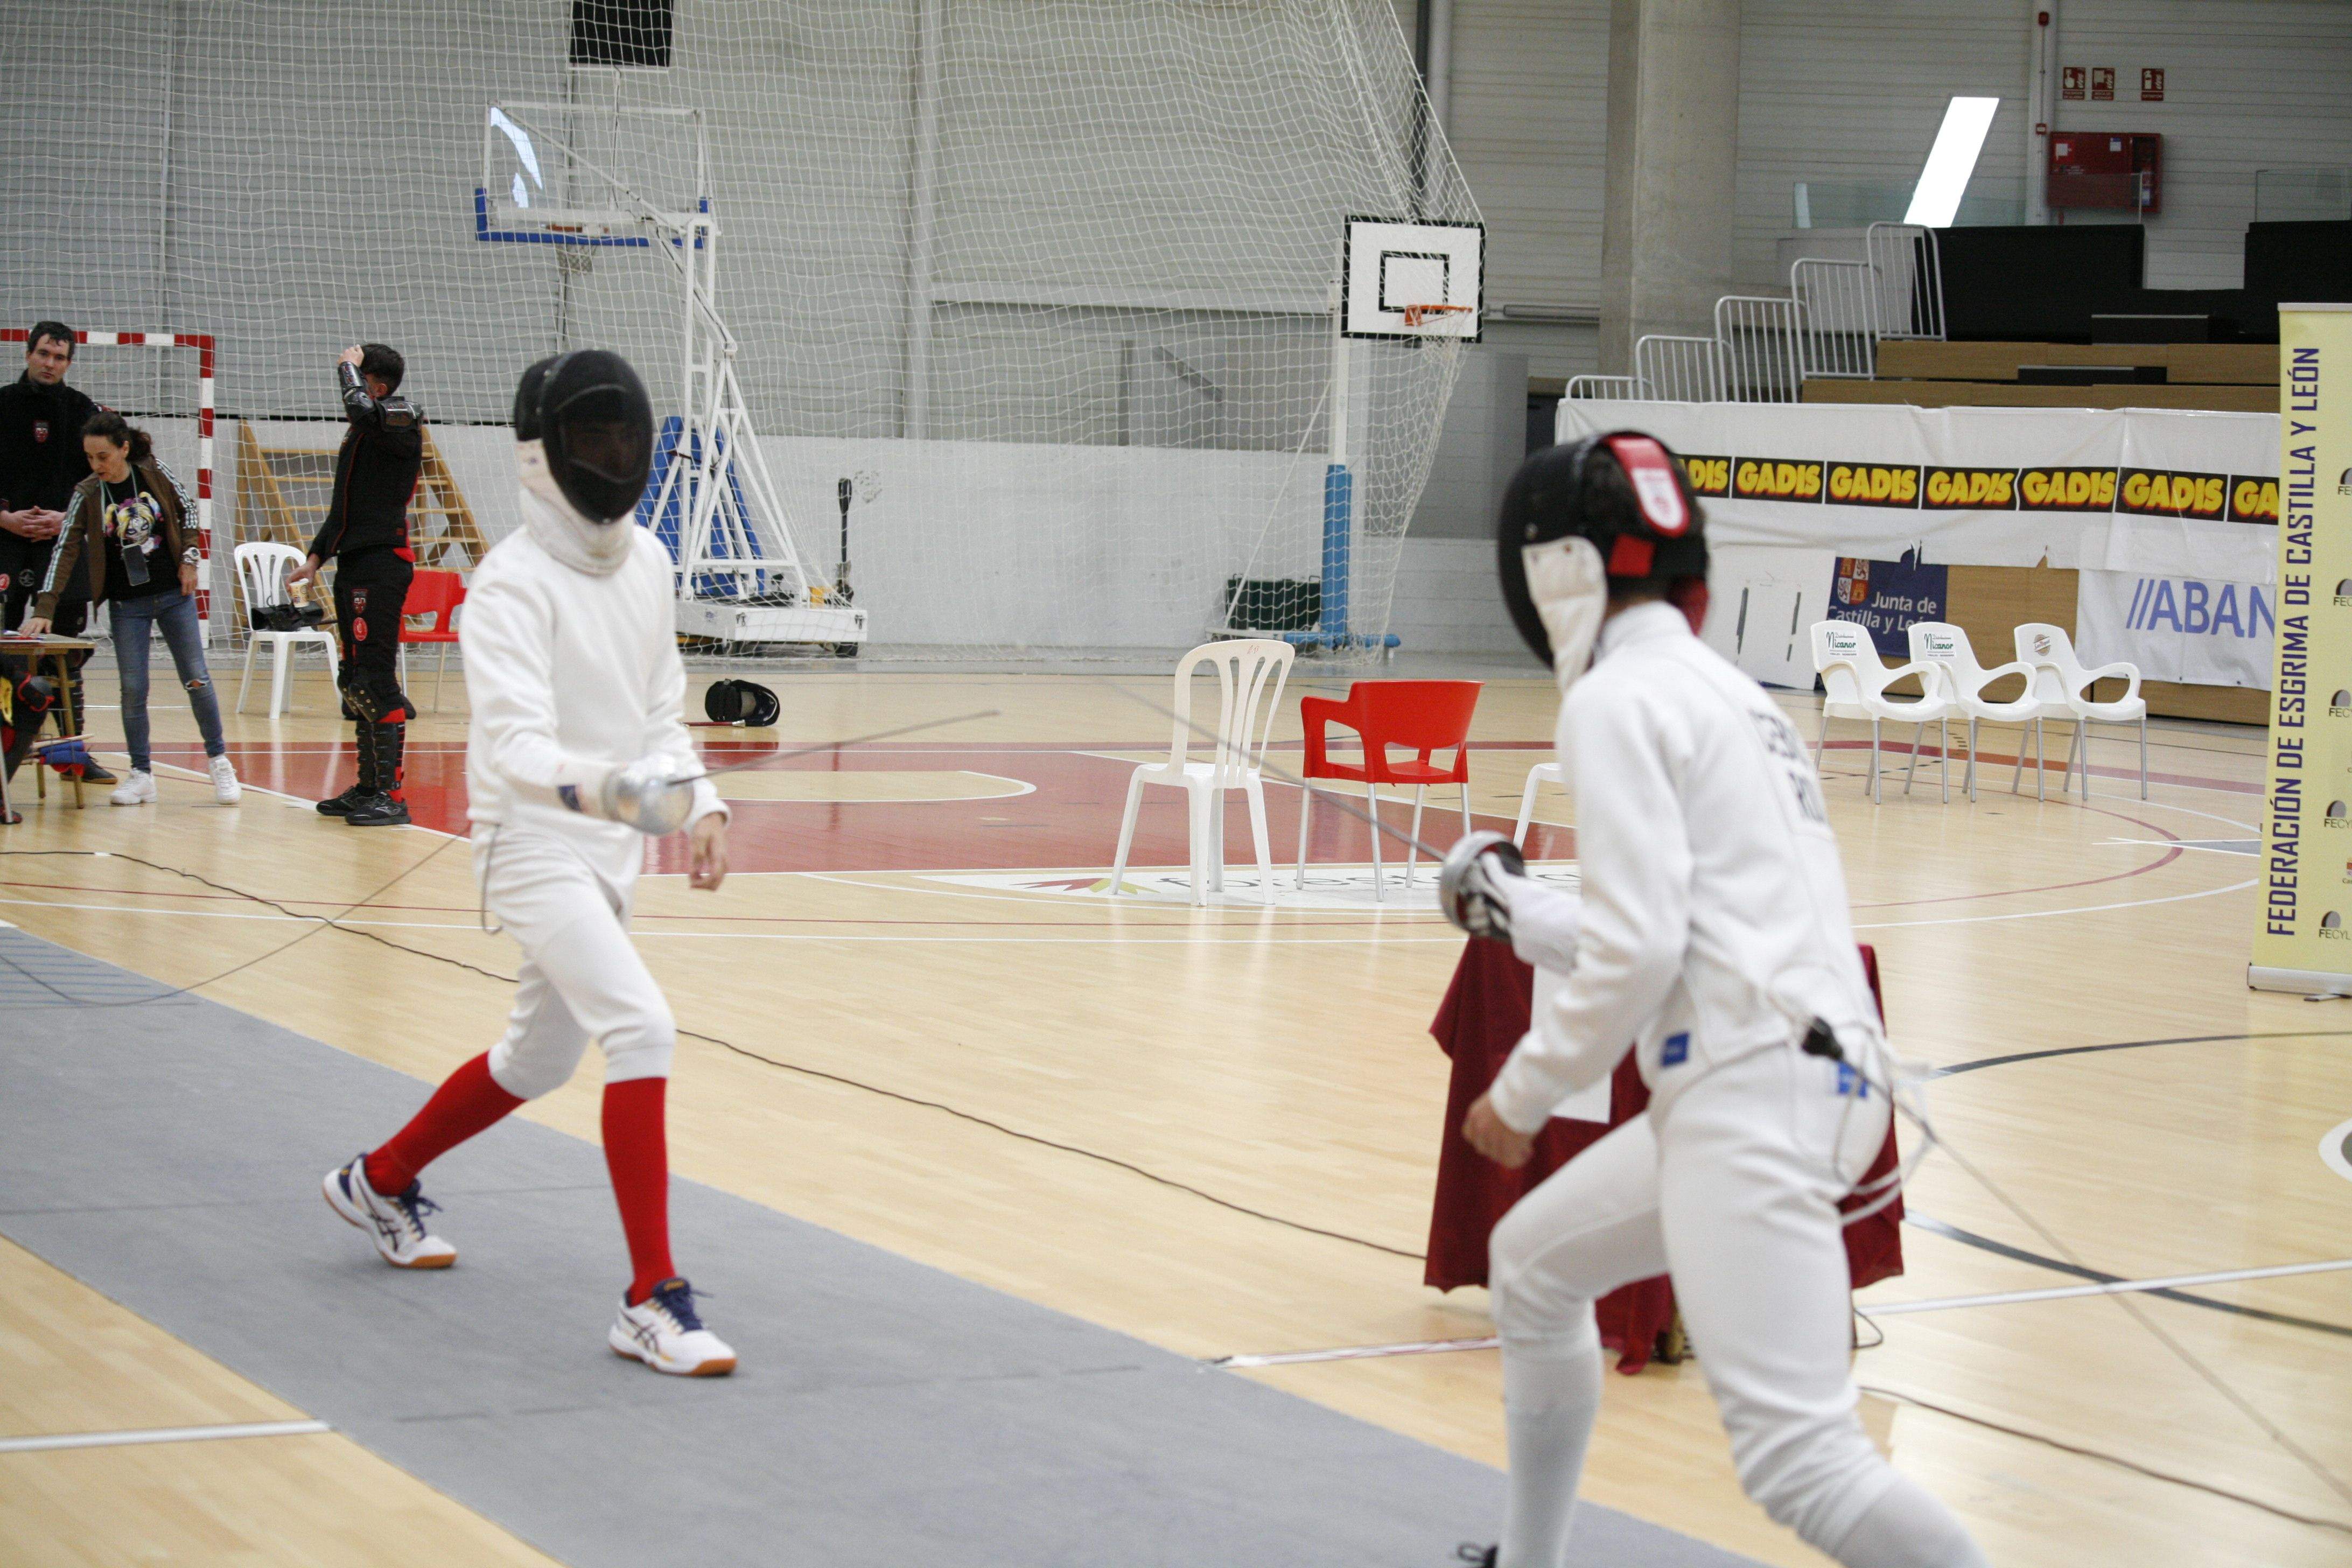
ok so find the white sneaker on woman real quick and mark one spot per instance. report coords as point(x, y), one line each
point(138, 788)
point(226, 789)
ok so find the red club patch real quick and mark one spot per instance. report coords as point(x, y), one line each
point(41, 431)
point(359, 628)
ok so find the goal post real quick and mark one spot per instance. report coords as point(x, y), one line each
point(202, 343)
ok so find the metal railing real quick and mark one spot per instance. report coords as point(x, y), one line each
point(1630, 388)
point(1680, 369)
point(1829, 326)
point(1837, 306)
point(1910, 273)
point(1761, 336)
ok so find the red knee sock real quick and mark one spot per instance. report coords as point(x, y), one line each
point(470, 1101)
point(636, 1152)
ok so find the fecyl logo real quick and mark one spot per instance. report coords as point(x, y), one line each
point(2335, 813)
point(2340, 705)
point(2331, 925)
point(2344, 592)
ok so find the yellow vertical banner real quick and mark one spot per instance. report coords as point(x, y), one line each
point(2305, 941)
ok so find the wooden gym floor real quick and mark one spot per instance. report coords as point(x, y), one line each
point(969, 1051)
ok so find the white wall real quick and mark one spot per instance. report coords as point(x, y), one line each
point(2249, 84)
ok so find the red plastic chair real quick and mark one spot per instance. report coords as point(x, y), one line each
point(1421, 716)
point(437, 594)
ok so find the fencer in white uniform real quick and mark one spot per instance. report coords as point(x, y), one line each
point(576, 756)
point(1711, 937)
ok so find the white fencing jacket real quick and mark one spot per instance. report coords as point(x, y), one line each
point(1711, 922)
point(570, 675)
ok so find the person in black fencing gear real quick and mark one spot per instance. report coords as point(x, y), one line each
point(366, 535)
point(1710, 937)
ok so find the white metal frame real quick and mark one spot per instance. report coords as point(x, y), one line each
point(735, 595)
point(1625, 388)
point(1680, 369)
point(1909, 271)
point(1837, 318)
point(1762, 352)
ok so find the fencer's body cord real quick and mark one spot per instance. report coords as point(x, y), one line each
point(1900, 1104)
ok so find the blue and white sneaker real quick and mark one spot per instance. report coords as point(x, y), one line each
point(665, 1333)
point(396, 1224)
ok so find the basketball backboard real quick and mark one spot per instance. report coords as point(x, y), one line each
point(1402, 279)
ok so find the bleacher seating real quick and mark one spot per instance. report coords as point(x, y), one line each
point(2222, 377)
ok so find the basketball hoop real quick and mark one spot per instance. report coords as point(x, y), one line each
point(1414, 315)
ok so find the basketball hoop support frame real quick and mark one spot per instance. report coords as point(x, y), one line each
point(715, 470)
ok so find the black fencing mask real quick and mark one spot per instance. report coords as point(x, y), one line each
point(1610, 510)
point(596, 425)
point(745, 702)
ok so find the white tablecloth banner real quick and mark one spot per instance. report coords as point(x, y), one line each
point(2134, 489)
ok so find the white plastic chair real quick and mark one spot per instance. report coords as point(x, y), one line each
point(1248, 703)
point(261, 569)
point(1856, 681)
point(1541, 773)
point(2059, 676)
point(1946, 645)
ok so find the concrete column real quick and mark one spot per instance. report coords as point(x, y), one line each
point(1674, 148)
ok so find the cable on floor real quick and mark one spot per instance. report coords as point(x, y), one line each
point(335, 920)
point(2316, 1521)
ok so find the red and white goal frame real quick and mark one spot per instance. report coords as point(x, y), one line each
point(203, 343)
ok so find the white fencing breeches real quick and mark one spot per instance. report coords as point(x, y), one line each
point(1735, 1197)
point(581, 979)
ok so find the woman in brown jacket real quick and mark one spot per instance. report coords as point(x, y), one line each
point(127, 541)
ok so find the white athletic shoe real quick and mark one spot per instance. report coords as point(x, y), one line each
point(396, 1224)
point(226, 789)
point(665, 1333)
point(138, 788)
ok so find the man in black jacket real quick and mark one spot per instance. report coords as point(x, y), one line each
point(41, 461)
point(366, 533)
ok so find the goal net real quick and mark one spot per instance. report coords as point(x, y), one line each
point(1034, 300)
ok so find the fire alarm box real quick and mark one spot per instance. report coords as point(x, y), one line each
point(2106, 169)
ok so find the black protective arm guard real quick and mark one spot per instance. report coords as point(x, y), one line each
point(394, 413)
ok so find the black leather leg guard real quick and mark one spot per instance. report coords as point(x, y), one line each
point(364, 742)
point(390, 744)
point(388, 807)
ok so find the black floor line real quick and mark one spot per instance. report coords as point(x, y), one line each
point(2018, 1254)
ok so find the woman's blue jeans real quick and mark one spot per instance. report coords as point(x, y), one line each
point(174, 614)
